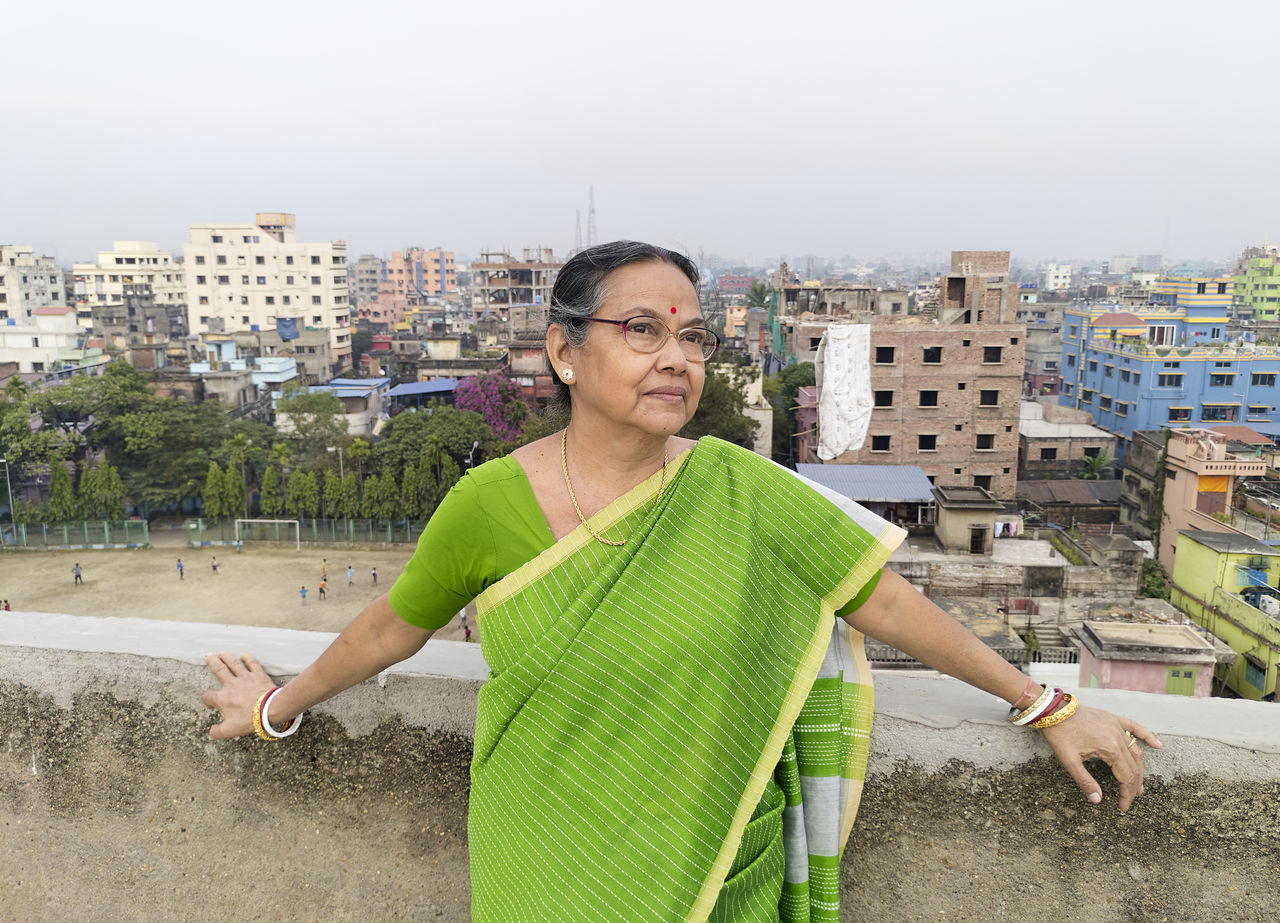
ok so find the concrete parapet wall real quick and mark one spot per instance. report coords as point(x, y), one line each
point(114, 803)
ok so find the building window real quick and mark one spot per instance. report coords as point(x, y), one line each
point(1086, 395)
point(1258, 410)
point(1137, 378)
point(991, 354)
point(1221, 381)
point(884, 355)
point(221, 259)
point(271, 299)
point(244, 299)
point(315, 280)
point(224, 280)
point(201, 280)
point(1092, 451)
point(1222, 288)
point(260, 260)
point(1093, 365)
point(1048, 454)
point(880, 443)
point(927, 442)
point(986, 442)
point(1073, 330)
point(216, 238)
point(244, 280)
point(199, 260)
point(315, 261)
point(884, 398)
point(262, 280)
point(1108, 370)
point(1104, 403)
point(1264, 379)
point(1124, 375)
point(288, 280)
point(989, 398)
point(982, 480)
point(315, 299)
point(317, 319)
point(1071, 359)
point(1218, 413)
point(1200, 288)
point(932, 355)
point(1161, 334)
point(285, 300)
point(928, 398)
point(204, 299)
point(1179, 414)
point(1169, 380)
point(814, 343)
point(288, 261)
point(1122, 408)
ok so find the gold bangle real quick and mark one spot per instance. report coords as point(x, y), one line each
point(1068, 708)
point(257, 717)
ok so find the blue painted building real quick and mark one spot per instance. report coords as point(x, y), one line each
point(1167, 363)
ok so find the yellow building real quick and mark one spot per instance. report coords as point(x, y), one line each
point(1228, 584)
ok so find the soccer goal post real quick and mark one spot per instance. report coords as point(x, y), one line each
point(268, 530)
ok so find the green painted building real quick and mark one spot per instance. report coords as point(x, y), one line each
point(1227, 582)
point(1259, 288)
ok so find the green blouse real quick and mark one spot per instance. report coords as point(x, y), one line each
point(488, 525)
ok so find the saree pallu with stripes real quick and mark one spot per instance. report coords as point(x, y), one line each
point(676, 729)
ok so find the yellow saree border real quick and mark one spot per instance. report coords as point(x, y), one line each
point(536, 568)
point(853, 581)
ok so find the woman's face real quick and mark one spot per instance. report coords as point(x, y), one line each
point(655, 393)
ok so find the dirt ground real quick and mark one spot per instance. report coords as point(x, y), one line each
point(258, 586)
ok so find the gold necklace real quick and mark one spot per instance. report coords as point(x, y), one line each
point(564, 463)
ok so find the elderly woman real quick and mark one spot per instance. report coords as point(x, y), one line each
point(675, 723)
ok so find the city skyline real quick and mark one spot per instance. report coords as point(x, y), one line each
point(827, 131)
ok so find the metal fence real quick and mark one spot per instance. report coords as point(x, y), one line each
point(320, 531)
point(883, 654)
point(87, 533)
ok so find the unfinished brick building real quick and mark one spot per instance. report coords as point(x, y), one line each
point(947, 390)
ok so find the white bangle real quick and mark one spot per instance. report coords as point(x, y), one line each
point(1037, 708)
point(266, 725)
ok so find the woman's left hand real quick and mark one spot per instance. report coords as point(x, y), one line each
point(1092, 733)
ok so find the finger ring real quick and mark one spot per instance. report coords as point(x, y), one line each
point(1132, 740)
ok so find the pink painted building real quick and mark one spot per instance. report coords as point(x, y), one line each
point(1165, 659)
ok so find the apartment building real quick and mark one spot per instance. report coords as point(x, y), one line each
point(363, 279)
point(1057, 278)
point(1166, 363)
point(499, 281)
point(946, 393)
point(43, 340)
point(129, 266)
point(418, 274)
point(139, 319)
point(27, 282)
point(249, 277)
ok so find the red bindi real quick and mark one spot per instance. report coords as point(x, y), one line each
point(673, 310)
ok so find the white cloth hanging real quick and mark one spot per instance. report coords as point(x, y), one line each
point(843, 372)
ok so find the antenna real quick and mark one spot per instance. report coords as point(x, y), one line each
point(591, 216)
point(577, 233)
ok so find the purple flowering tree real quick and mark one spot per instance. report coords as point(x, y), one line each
point(496, 398)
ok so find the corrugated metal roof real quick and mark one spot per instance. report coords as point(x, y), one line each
point(1118, 319)
point(873, 483)
point(1242, 433)
point(439, 386)
point(1230, 542)
point(1071, 491)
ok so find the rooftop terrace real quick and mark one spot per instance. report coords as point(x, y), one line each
point(115, 803)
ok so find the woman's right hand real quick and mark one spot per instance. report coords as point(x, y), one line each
point(241, 682)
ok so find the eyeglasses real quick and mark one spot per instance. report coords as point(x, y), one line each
point(648, 335)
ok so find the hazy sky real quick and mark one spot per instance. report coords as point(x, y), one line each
point(745, 129)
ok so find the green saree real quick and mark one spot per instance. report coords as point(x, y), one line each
point(676, 729)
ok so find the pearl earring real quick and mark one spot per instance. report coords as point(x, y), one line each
point(567, 374)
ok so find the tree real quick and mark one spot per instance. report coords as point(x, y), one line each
point(758, 295)
point(386, 499)
point(233, 492)
point(720, 412)
point(272, 502)
point(110, 492)
point(781, 391)
point(1096, 466)
point(62, 503)
point(303, 494)
point(332, 493)
point(211, 496)
point(414, 492)
point(349, 497)
point(87, 499)
point(313, 421)
point(497, 399)
point(369, 502)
